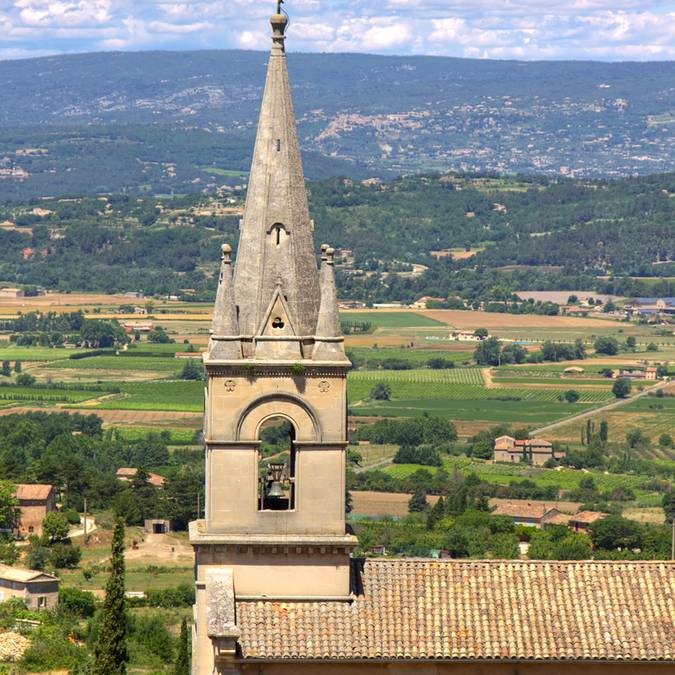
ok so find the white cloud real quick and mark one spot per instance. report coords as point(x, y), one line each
point(54, 13)
point(526, 29)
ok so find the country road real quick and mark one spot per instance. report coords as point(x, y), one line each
point(590, 413)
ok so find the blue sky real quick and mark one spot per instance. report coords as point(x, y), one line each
point(525, 29)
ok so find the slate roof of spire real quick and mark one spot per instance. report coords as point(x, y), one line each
point(477, 610)
point(276, 239)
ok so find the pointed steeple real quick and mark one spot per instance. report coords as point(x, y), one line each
point(224, 342)
point(276, 240)
point(329, 344)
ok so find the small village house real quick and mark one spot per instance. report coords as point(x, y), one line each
point(35, 502)
point(535, 450)
point(38, 590)
point(527, 513)
point(581, 521)
point(423, 302)
point(157, 526)
point(12, 293)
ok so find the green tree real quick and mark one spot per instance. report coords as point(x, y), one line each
point(8, 504)
point(77, 602)
point(110, 650)
point(571, 395)
point(418, 501)
point(665, 440)
point(17, 366)
point(622, 387)
point(604, 431)
point(6, 368)
point(159, 335)
point(615, 532)
point(488, 352)
point(56, 526)
point(606, 345)
point(636, 438)
point(182, 666)
point(381, 392)
point(192, 370)
point(631, 342)
point(25, 380)
point(668, 504)
point(481, 333)
point(37, 554)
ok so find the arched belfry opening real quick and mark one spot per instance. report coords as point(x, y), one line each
point(277, 463)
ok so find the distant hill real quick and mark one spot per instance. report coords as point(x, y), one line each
point(184, 121)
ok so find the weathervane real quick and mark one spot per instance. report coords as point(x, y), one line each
point(279, 3)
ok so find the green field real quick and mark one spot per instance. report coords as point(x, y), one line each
point(503, 474)
point(429, 388)
point(652, 404)
point(472, 376)
point(37, 353)
point(176, 395)
point(533, 414)
point(417, 357)
point(46, 395)
point(122, 362)
point(392, 319)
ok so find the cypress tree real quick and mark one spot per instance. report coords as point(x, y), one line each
point(110, 650)
point(182, 666)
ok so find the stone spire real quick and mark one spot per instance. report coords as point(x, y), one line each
point(224, 342)
point(276, 248)
point(329, 345)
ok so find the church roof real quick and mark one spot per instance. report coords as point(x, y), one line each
point(477, 610)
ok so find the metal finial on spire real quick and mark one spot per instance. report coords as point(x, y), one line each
point(279, 23)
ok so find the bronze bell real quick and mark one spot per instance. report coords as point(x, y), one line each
point(275, 490)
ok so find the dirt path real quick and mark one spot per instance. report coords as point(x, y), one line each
point(160, 548)
point(79, 529)
point(487, 377)
point(590, 413)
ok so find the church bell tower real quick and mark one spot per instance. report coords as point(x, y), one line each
point(275, 424)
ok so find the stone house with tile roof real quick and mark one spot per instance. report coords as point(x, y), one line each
point(277, 589)
point(534, 450)
point(37, 589)
point(35, 501)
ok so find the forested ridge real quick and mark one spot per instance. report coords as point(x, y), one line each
point(525, 233)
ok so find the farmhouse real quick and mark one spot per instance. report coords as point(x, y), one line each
point(523, 512)
point(423, 302)
point(465, 336)
point(36, 500)
point(650, 373)
point(580, 521)
point(12, 293)
point(140, 326)
point(38, 590)
point(535, 450)
point(277, 589)
point(653, 306)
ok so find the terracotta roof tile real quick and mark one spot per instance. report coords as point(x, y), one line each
point(431, 609)
point(33, 491)
point(587, 516)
